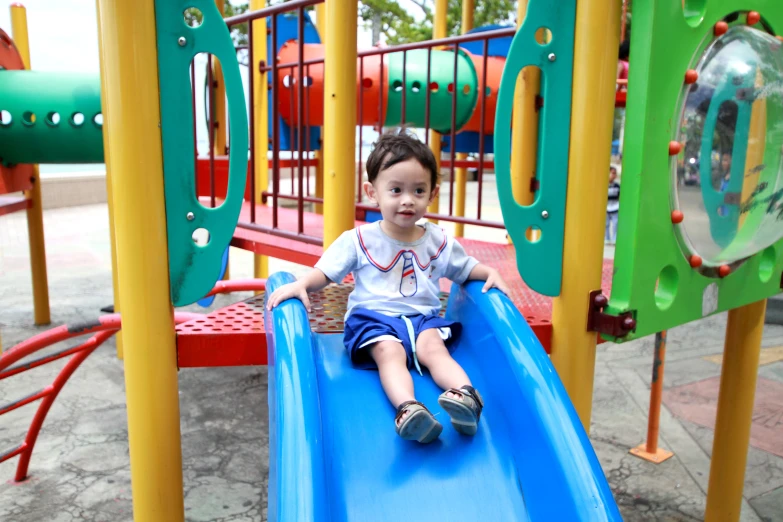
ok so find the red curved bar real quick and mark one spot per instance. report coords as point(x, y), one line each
point(43, 408)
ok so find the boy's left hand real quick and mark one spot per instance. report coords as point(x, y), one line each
point(495, 280)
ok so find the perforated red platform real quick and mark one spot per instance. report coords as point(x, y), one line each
point(235, 336)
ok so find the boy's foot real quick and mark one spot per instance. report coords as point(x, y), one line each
point(464, 406)
point(415, 422)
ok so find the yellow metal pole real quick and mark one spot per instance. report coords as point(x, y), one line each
point(35, 225)
point(735, 411)
point(525, 126)
point(109, 188)
point(438, 31)
point(461, 174)
point(133, 101)
point(595, 63)
point(339, 119)
point(261, 124)
point(320, 22)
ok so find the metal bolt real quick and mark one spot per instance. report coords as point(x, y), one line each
point(191, 216)
point(544, 214)
point(552, 57)
point(182, 41)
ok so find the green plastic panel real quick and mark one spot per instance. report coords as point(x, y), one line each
point(441, 87)
point(657, 279)
point(54, 118)
point(194, 268)
point(540, 263)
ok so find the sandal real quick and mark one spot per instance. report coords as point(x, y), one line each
point(464, 412)
point(419, 425)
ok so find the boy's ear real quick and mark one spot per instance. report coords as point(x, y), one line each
point(434, 192)
point(370, 191)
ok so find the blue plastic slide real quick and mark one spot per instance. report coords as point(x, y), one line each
point(334, 454)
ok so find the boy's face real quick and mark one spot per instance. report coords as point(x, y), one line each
point(612, 175)
point(402, 192)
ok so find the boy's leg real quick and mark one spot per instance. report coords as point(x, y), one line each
point(608, 233)
point(615, 215)
point(393, 368)
point(445, 371)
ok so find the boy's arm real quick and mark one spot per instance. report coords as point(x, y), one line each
point(492, 277)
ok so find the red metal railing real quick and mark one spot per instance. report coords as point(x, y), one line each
point(102, 328)
point(290, 223)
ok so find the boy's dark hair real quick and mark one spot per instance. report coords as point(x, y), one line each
point(397, 146)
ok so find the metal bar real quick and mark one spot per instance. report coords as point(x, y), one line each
point(360, 119)
point(270, 11)
point(252, 119)
point(11, 406)
point(292, 126)
point(39, 362)
point(275, 126)
point(404, 87)
point(308, 148)
point(12, 452)
point(656, 390)
point(211, 130)
point(427, 100)
point(365, 206)
point(300, 119)
point(441, 42)
point(482, 121)
point(380, 99)
point(453, 130)
point(304, 238)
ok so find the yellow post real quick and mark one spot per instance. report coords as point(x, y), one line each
point(524, 126)
point(735, 411)
point(438, 31)
point(461, 174)
point(595, 62)
point(109, 188)
point(756, 146)
point(35, 225)
point(320, 23)
point(261, 124)
point(133, 101)
point(339, 118)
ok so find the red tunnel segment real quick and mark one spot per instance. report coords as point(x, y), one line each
point(313, 103)
point(495, 66)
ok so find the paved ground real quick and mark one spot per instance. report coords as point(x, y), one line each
point(80, 467)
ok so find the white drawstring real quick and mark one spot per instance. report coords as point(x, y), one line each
point(412, 337)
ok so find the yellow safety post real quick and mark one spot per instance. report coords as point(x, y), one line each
point(261, 124)
point(221, 122)
point(35, 225)
point(109, 188)
point(339, 119)
point(735, 411)
point(525, 126)
point(320, 23)
point(756, 146)
point(461, 173)
point(595, 63)
point(133, 100)
point(438, 31)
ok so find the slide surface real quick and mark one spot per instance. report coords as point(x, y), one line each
point(334, 454)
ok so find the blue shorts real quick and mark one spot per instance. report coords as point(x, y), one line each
point(365, 325)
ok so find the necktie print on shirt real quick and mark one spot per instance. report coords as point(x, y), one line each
point(408, 280)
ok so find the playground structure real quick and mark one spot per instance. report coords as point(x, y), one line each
point(655, 280)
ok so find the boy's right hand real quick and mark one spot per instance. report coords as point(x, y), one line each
point(288, 291)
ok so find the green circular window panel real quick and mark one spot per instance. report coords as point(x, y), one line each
point(727, 175)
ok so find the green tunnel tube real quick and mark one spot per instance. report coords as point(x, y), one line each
point(441, 87)
point(50, 118)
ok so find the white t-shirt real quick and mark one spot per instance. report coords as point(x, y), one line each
point(393, 277)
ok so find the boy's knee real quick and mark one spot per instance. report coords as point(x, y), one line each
point(388, 351)
point(430, 349)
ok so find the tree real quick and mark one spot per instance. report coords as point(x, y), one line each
point(397, 25)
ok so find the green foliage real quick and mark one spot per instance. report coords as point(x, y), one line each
point(193, 18)
point(400, 26)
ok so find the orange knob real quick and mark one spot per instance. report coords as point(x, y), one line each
point(724, 270)
point(695, 261)
point(720, 28)
point(691, 76)
point(674, 148)
point(677, 217)
point(754, 17)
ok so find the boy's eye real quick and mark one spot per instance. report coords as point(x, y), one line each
point(419, 191)
point(396, 190)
